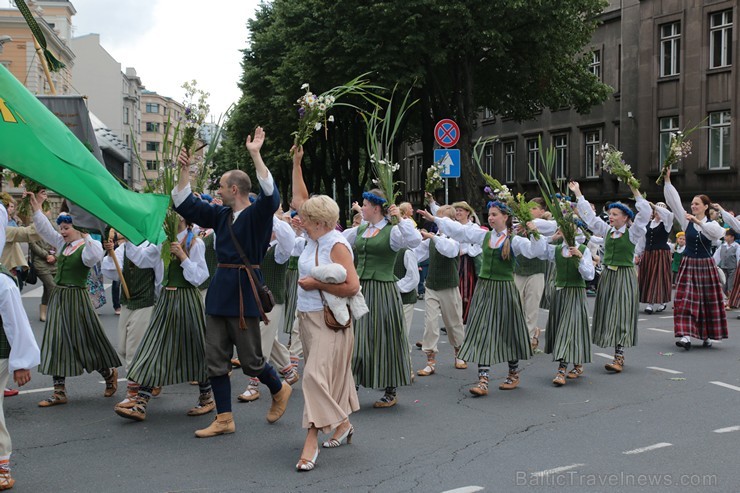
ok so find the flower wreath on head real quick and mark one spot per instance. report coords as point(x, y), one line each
point(500, 206)
point(621, 207)
point(374, 199)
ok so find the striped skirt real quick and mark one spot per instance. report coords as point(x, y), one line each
point(655, 279)
point(616, 308)
point(549, 286)
point(568, 333)
point(173, 348)
point(468, 279)
point(497, 329)
point(74, 340)
point(291, 299)
point(381, 354)
point(698, 310)
point(734, 296)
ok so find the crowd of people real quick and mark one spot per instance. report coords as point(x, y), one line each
point(346, 296)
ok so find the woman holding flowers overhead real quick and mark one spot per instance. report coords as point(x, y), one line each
point(381, 357)
point(497, 330)
point(74, 340)
point(617, 300)
point(698, 310)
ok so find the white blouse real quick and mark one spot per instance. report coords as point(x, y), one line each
point(310, 301)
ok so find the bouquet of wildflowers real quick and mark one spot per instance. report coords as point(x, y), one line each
point(612, 162)
point(24, 206)
point(557, 203)
point(521, 208)
point(434, 178)
point(678, 148)
point(196, 111)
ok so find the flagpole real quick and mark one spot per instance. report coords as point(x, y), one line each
point(42, 60)
point(118, 266)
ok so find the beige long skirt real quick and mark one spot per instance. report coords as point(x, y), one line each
point(328, 385)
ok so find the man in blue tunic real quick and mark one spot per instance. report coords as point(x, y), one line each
point(231, 321)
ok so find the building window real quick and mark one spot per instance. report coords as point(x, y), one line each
point(670, 49)
point(152, 108)
point(125, 116)
point(510, 161)
point(719, 140)
point(126, 136)
point(593, 144)
point(560, 142)
point(720, 39)
point(152, 146)
point(152, 127)
point(668, 126)
point(595, 66)
point(533, 158)
point(152, 165)
point(489, 159)
point(488, 114)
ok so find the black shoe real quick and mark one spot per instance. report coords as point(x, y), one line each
point(443, 329)
point(649, 310)
point(707, 343)
point(685, 345)
point(418, 344)
point(661, 308)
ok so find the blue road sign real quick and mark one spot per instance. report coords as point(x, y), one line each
point(450, 161)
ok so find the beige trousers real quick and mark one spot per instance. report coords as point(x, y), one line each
point(272, 348)
point(447, 303)
point(408, 315)
point(296, 347)
point(5, 443)
point(530, 291)
point(132, 325)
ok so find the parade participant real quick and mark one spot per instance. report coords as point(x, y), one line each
point(209, 240)
point(654, 261)
point(733, 298)
point(13, 257)
point(727, 257)
point(44, 259)
point(406, 270)
point(496, 330)
point(617, 299)
point(172, 350)
point(568, 335)
point(19, 352)
point(74, 340)
point(290, 325)
point(442, 293)
point(142, 270)
point(698, 309)
point(274, 269)
point(328, 387)
point(380, 357)
point(678, 250)
point(232, 311)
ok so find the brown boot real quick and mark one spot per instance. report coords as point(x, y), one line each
point(137, 412)
point(431, 364)
point(576, 372)
point(222, 425)
point(111, 383)
point(279, 403)
point(511, 382)
point(617, 365)
point(481, 388)
point(42, 312)
point(559, 379)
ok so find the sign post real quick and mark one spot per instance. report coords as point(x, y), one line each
point(450, 161)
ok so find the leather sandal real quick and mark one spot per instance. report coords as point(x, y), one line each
point(56, 399)
point(111, 383)
point(576, 372)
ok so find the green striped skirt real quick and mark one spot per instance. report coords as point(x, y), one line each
point(291, 299)
point(74, 340)
point(568, 334)
point(547, 294)
point(497, 329)
point(381, 353)
point(616, 308)
point(173, 348)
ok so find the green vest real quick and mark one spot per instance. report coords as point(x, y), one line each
point(274, 275)
point(619, 252)
point(442, 272)
point(677, 256)
point(493, 265)
point(526, 267)
point(140, 283)
point(293, 263)
point(4, 344)
point(211, 260)
point(70, 269)
point(375, 257)
point(174, 277)
point(566, 269)
point(399, 270)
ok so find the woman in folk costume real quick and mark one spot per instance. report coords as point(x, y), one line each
point(617, 299)
point(698, 309)
point(497, 330)
point(173, 348)
point(74, 340)
point(568, 333)
point(654, 261)
point(733, 297)
point(381, 356)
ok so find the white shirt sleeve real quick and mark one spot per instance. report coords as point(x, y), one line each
point(711, 229)
point(93, 252)
point(433, 207)
point(640, 247)
point(546, 227)
point(422, 251)
point(528, 247)
point(267, 185)
point(447, 246)
point(595, 224)
point(666, 217)
point(24, 351)
point(47, 231)
point(586, 266)
point(404, 235)
point(350, 235)
point(298, 246)
point(3, 225)
point(674, 202)
point(472, 250)
point(108, 267)
point(144, 256)
point(285, 240)
point(179, 196)
point(731, 221)
point(194, 268)
point(717, 256)
point(638, 230)
point(460, 232)
point(411, 280)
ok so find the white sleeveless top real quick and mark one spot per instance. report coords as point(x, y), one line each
point(310, 301)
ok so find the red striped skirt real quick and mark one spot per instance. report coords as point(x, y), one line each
point(654, 276)
point(698, 310)
point(734, 297)
point(468, 278)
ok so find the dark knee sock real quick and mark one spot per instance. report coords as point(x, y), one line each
point(619, 350)
point(145, 392)
point(221, 387)
point(391, 391)
point(484, 371)
point(270, 378)
point(205, 388)
point(563, 365)
point(105, 372)
point(514, 366)
point(59, 382)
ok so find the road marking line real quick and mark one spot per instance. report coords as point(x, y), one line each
point(657, 368)
point(667, 316)
point(660, 330)
point(728, 429)
point(604, 355)
point(648, 448)
point(418, 310)
point(119, 380)
point(641, 319)
point(556, 470)
point(465, 489)
point(33, 391)
point(726, 385)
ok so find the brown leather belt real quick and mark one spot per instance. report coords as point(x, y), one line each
point(240, 268)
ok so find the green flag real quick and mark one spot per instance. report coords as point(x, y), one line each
point(36, 144)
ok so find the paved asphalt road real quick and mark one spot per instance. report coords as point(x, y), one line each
point(669, 422)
